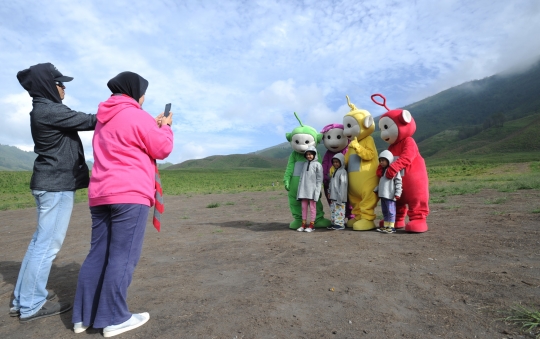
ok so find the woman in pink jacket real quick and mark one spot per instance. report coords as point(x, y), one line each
point(127, 141)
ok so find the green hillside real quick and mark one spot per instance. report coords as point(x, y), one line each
point(231, 161)
point(14, 159)
point(473, 103)
point(515, 141)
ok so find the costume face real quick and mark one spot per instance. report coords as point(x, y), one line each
point(301, 142)
point(352, 128)
point(334, 140)
point(336, 163)
point(389, 130)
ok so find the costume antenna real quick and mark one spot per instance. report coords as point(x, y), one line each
point(297, 118)
point(352, 106)
point(383, 104)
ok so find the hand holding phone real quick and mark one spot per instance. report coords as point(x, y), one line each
point(167, 110)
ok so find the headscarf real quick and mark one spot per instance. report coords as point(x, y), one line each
point(128, 83)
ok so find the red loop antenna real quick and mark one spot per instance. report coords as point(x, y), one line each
point(383, 103)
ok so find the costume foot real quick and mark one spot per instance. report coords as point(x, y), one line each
point(351, 222)
point(322, 223)
point(295, 224)
point(363, 225)
point(417, 226)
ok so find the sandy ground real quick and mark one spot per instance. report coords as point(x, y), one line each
point(237, 271)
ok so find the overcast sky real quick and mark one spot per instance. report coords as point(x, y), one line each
point(235, 71)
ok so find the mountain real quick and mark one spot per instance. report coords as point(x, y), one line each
point(509, 95)
point(481, 118)
point(514, 141)
point(14, 159)
point(232, 161)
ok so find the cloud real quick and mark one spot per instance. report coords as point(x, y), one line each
point(241, 68)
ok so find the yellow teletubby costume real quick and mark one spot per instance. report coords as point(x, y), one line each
point(362, 161)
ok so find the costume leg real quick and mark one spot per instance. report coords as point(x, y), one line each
point(367, 212)
point(294, 205)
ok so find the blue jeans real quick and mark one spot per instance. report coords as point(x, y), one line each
point(53, 214)
point(105, 275)
point(388, 209)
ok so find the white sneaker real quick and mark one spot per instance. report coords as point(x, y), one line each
point(309, 229)
point(135, 321)
point(300, 229)
point(79, 327)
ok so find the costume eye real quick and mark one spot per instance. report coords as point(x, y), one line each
point(349, 125)
point(339, 136)
point(297, 142)
point(385, 126)
point(307, 141)
point(328, 137)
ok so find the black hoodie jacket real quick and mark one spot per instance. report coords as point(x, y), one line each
point(60, 164)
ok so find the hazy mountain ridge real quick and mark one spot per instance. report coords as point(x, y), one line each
point(497, 114)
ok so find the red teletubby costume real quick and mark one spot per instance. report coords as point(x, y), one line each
point(397, 127)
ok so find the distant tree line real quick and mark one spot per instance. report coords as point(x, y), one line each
point(496, 120)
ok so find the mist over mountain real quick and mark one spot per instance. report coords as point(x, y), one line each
point(497, 114)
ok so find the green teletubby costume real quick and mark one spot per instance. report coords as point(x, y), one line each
point(301, 138)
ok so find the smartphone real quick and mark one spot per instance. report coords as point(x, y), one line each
point(167, 110)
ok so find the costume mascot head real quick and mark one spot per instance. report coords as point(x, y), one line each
point(361, 160)
point(335, 142)
point(397, 127)
point(301, 138)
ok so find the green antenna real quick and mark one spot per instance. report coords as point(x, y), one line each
point(297, 118)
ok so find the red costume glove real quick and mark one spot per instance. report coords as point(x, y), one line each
point(391, 172)
point(380, 171)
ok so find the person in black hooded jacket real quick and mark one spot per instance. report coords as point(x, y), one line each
point(59, 169)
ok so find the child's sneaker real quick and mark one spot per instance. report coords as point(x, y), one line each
point(331, 227)
point(389, 230)
point(338, 228)
point(380, 229)
point(300, 229)
point(310, 229)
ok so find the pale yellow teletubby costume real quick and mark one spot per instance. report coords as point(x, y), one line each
point(362, 161)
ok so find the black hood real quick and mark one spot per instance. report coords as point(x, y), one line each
point(38, 80)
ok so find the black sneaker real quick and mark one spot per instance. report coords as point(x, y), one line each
point(339, 228)
point(48, 309)
point(13, 312)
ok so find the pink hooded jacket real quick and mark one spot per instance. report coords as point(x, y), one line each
point(126, 143)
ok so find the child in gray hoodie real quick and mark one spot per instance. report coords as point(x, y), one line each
point(389, 190)
point(309, 188)
point(337, 192)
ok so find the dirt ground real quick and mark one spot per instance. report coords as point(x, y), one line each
point(237, 271)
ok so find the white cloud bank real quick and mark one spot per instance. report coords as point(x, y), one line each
point(236, 71)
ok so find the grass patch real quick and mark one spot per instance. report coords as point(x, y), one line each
point(536, 210)
point(229, 203)
point(213, 205)
point(527, 319)
point(496, 201)
point(437, 200)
